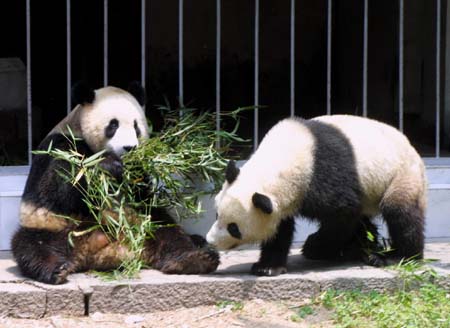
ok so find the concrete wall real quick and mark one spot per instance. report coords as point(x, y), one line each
point(12, 182)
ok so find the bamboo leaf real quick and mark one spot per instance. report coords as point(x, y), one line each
point(79, 176)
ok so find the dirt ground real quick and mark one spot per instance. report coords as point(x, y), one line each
point(256, 313)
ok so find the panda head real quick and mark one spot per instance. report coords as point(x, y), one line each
point(243, 214)
point(110, 118)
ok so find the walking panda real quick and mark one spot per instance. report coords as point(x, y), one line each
point(339, 171)
point(108, 119)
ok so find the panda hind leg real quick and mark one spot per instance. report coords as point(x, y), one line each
point(42, 255)
point(172, 251)
point(403, 210)
point(274, 252)
point(365, 245)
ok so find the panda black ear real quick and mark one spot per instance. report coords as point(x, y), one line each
point(262, 202)
point(231, 172)
point(137, 91)
point(82, 94)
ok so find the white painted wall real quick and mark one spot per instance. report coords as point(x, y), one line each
point(12, 182)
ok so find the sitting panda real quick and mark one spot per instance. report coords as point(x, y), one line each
point(340, 171)
point(108, 119)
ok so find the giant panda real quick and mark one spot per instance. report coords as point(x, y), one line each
point(110, 119)
point(340, 171)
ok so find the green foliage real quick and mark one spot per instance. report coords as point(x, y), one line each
point(370, 236)
point(164, 171)
point(182, 156)
point(415, 272)
point(232, 305)
point(302, 312)
point(427, 307)
point(420, 302)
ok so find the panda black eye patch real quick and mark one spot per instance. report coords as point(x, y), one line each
point(233, 230)
point(136, 127)
point(111, 129)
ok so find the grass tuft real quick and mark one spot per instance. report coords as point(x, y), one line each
point(302, 312)
point(231, 305)
point(420, 302)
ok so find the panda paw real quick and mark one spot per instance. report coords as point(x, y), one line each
point(198, 241)
point(375, 260)
point(113, 164)
point(59, 275)
point(199, 261)
point(54, 274)
point(259, 269)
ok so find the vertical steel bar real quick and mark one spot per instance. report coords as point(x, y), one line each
point(29, 102)
point(438, 76)
point(69, 56)
point(292, 58)
point(218, 61)
point(143, 43)
point(105, 42)
point(180, 53)
point(256, 100)
point(329, 30)
point(400, 65)
point(365, 43)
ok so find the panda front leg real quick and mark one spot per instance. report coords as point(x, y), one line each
point(274, 252)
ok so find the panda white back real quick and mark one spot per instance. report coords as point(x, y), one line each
point(284, 152)
point(380, 151)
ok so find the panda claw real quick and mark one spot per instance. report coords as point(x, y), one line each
point(375, 260)
point(59, 276)
point(268, 271)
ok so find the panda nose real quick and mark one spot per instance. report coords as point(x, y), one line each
point(128, 148)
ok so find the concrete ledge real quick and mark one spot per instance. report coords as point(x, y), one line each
point(67, 299)
point(22, 301)
point(155, 291)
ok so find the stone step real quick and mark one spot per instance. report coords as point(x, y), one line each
point(154, 291)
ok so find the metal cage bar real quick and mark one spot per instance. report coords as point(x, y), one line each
point(180, 54)
point(400, 64)
point(329, 31)
point(105, 42)
point(438, 77)
point(29, 100)
point(365, 52)
point(256, 95)
point(292, 54)
point(218, 61)
point(143, 43)
point(69, 55)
